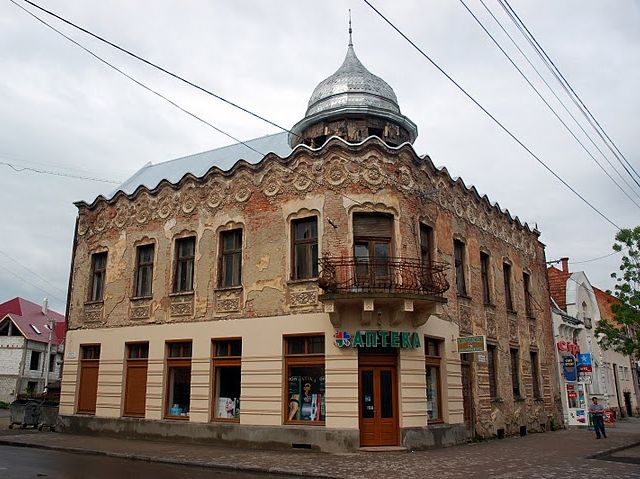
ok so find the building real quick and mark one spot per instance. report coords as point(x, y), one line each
point(577, 309)
point(24, 342)
point(310, 295)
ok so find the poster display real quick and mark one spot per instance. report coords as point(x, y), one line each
point(306, 394)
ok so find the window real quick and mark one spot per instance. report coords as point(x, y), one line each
point(34, 363)
point(527, 295)
point(433, 361)
point(426, 244)
point(304, 366)
point(458, 259)
point(305, 248)
point(485, 265)
point(185, 255)
point(144, 270)
point(178, 380)
point(535, 380)
point(515, 373)
point(88, 382)
point(372, 235)
point(98, 270)
point(52, 363)
point(506, 271)
point(135, 392)
point(227, 355)
point(492, 366)
point(230, 258)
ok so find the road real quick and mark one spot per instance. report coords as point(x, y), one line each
point(26, 463)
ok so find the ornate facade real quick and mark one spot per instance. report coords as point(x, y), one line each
point(311, 298)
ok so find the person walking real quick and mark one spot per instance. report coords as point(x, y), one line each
point(597, 417)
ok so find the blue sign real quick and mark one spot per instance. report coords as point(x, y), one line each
point(584, 359)
point(569, 369)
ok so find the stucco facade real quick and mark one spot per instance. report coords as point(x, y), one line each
point(343, 187)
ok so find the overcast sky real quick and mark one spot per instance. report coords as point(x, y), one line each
point(63, 111)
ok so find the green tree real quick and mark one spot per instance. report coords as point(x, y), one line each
point(623, 334)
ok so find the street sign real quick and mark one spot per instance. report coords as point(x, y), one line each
point(584, 359)
point(472, 344)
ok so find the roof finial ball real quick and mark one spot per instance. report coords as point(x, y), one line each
point(350, 30)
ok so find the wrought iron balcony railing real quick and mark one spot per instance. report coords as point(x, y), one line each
point(348, 274)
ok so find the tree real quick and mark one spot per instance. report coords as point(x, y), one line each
point(623, 334)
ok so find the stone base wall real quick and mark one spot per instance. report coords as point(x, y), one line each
point(440, 435)
point(8, 390)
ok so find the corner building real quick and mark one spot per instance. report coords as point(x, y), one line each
point(308, 297)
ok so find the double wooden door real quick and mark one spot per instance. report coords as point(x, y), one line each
point(378, 398)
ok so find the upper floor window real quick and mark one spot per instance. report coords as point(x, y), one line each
point(230, 258)
point(34, 363)
point(305, 248)
point(185, 255)
point(485, 267)
point(526, 280)
point(493, 370)
point(508, 298)
point(426, 244)
point(515, 372)
point(458, 260)
point(372, 233)
point(144, 270)
point(98, 273)
point(535, 378)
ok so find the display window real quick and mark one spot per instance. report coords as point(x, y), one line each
point(227, 373)
point(304, 366)
point(178, 380)
point(433, 363)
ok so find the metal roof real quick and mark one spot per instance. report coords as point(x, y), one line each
point(31, 322)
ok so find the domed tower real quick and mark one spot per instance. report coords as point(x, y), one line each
point(353, 104)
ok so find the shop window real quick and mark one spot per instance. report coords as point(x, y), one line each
point(433, 363)
point(226, 367)
point(492, 367)
point(88, 382)
point(526, 280)
point(485, 268)
point(304, 366)
point(144, 271)
point(515, 373)
point(34, 362)
point(185, 256)
point(535, 378)
point(178, 380)
point(230, 258)
point(98, 273)
point(458, 261)
point(508, 298)
point(305, 248)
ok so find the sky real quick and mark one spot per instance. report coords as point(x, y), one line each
point(64, 112)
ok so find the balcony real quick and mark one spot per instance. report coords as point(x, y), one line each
point(396, 288)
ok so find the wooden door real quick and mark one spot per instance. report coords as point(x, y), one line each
point(135, 393)
point(378, 399)
point(88, 388)
point(467, 397)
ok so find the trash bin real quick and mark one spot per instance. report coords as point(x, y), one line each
point(48, 415)
point(24, 412)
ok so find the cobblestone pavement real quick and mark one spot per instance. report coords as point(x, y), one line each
point(560, 454)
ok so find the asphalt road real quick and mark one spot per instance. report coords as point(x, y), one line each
point(27, 463)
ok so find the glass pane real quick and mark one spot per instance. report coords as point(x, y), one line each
point(295, 345)
point(227, 398)
point(432, 393)
point(381, 254)
point(179, 391)
point(386, 394)
point(361, 251)
point(316, 345)
point(368, 403)
point(306, 393)
point(302, 261)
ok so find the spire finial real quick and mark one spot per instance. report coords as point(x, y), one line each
point(350, 30)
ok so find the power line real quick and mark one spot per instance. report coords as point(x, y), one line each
point(556, 261)
point(48, 293)
point(33, 272)
point(524, 76)
point(20, 169)
point(468, 95)
point(566, 86)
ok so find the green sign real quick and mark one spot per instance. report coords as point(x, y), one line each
point(472, 344)
point(377, 339)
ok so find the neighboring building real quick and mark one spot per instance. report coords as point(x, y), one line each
point(577, 309)
point(304, 299)
point(24, 341)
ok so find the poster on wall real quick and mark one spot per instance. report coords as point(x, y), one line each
point(306, 396)
point(577, 417)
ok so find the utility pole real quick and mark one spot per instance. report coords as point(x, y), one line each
point(45, 311)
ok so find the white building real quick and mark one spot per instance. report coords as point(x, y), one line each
point(24, 342)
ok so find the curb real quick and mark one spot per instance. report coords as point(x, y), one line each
point(167, 460)
point(613, 450)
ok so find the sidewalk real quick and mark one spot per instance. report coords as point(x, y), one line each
point(549, 455)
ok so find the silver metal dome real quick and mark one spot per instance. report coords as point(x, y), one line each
point(352, 85)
